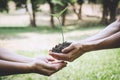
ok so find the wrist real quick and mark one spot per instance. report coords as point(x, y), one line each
point(30, 63)
point(93, 45)
point(31, 67)
point(87, 46)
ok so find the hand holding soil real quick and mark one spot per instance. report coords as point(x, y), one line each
point(70, 53)
point(58, 48)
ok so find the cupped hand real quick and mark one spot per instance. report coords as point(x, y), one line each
point(47, 65)
point(70, 53)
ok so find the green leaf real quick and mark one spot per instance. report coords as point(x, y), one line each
point(57, 2)
point(60, 13)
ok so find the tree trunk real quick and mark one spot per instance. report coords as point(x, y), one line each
point(63, 19)
point(33, 20)
point(105, 15)
point(26, 8)
point(113, 8)
point(31, 12)
point(105, 12)
point(109, 9)
point(52, 12)
point(79, 12)
point(64, 14)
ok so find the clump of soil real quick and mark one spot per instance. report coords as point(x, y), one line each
point(58, 48)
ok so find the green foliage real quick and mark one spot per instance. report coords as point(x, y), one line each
point(40, 1)
point(72, 1)
point(3, 5)
point(80, 1)
point(60, 5)
point(37, 3)
point(57, 15)
point(93, 1)
point(19, 3)
point(57, 2)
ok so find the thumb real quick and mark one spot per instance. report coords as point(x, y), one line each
point(68, 49)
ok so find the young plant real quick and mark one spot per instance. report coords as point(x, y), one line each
point(58, 48)
point(57, 15)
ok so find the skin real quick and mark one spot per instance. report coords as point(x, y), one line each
point(11, 56)
point(11, 63)
point(106, 39)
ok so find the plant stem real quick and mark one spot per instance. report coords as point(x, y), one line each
point(61, 29)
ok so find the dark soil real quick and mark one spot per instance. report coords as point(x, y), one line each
point(58, 48)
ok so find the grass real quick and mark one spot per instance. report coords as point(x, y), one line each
point(15, 30)
point(95, 65)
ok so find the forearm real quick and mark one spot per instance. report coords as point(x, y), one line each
point(11, 56)
point(9, 68)
point(109, 42)
point(106, 43)
point(108, 31)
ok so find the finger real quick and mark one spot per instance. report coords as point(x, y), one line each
point(68, 49)
point(60, 65)
point(57, 67)
point(50, 58)
point(57, 61)
point(47, 72)
point(59, 56)
point(73, 52)
point(46, 65)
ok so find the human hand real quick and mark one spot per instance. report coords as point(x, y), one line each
point(70, 53)
point(47, 65)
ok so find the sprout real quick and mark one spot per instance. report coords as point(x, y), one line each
point(57, 15)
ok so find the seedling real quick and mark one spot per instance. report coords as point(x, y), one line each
point(58, 48)
point(57, 15)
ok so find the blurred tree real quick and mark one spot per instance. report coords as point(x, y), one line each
point(32, 13)
point(34, 8)
point(109, 10)
point(21, 3)
point(51, 5)
point(59, 6)
point(31, 7)
point(3, 5)
point(92, 1)
point(55, 7)
point(78, 11)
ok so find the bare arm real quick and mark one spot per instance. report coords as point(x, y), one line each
point(8, 68)
point(106, 39)
point(77, 49)
point(42, 65)
point(107, 43)
point(108, 31)
point(11, 56)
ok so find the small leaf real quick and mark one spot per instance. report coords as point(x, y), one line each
point(60, 13)
point(57, 2)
